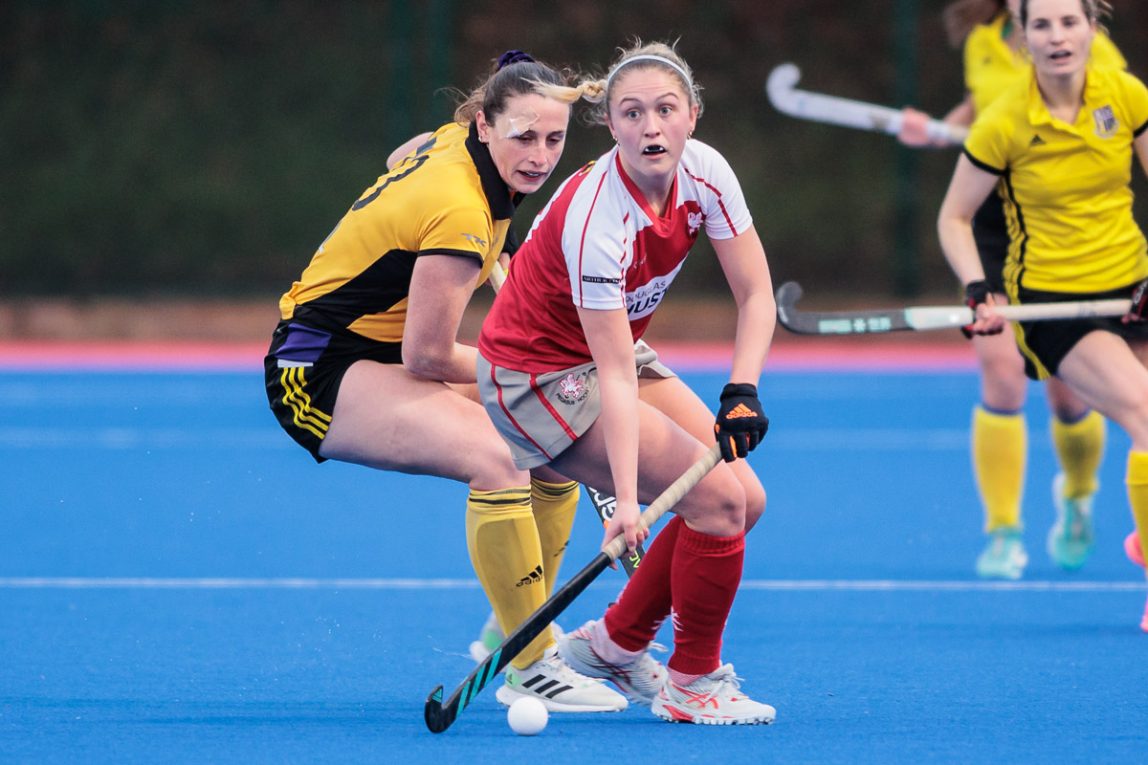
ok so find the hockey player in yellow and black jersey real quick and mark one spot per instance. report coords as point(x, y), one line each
point(995, 58)
point(365, 365)
point(1058, 149)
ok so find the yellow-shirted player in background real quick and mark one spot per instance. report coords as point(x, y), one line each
point(365, 366)
point(995, 60)
point(1058, 148)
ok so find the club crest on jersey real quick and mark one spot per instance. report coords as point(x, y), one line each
point(1106, 122)
point(572, 388)
point(694, 222)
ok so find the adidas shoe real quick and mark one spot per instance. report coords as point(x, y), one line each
point(492, 636)
point(713, 699)
point(1071, 538)
point(640, 679)
point(559, 688)
point(1004, 557)
point(1133, 550)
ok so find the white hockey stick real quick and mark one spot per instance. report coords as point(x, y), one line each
point(920, 318)
point(833, 110)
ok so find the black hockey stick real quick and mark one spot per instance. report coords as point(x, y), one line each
point(439, 714)
point(922, 318)
point(605, 505)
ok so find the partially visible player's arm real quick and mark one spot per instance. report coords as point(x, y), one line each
point(397, 155)
point(743, 262)
point(612, 345)
point(968, 190)
point(441, 288)
point(1141, 147)
point(962, 114)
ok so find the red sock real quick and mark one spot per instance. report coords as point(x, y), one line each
point(704, 580)
point(645, 601)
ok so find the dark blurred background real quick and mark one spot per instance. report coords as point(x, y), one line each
point(169, 148)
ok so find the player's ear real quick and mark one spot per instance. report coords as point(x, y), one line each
point(482, 126)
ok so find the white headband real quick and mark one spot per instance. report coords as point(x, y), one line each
point(652, 57)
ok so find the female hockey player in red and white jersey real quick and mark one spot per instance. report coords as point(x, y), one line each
point(569, 383)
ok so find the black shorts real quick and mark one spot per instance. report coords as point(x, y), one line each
point(990, 232)
point(303, 369)
point(1044, 344)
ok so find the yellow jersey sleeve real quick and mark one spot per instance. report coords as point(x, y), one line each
point(992, 137)
point(1134, 103)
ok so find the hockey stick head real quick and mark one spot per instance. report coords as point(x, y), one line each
point(787, 296)
point(780, 86)
point(436, 716)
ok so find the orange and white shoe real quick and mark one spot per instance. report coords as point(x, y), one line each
point(1133, 550)
point(713, 699)
point(1135, 554)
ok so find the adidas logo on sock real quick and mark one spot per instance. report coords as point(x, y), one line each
point(534, 577)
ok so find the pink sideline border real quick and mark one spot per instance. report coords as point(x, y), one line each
point(817, 354)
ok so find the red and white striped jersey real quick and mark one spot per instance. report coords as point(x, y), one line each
point(598, 245)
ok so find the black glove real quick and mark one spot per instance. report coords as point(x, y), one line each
point(740, 422)
point(1139, 310)
point(976, 293)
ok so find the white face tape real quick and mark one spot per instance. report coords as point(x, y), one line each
point(514, 125)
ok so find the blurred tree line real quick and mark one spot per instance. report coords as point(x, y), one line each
point(170, 147)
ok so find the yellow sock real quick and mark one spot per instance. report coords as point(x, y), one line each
point(1080, 447)
point(554, 508)
point(1000, 446)
point(1136, 478)
point(503, 542)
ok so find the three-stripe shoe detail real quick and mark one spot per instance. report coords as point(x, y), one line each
point(558, 687)
point(544, 686)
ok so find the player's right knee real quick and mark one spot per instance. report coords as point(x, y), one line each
point(492, 472)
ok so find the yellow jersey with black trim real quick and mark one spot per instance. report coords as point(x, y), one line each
point(445, 198)
point(1067, 200)
point(992, 67)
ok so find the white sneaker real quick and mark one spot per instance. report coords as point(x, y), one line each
point(492, 636)
point(640, 679)
point(713, 699)
point(558, 687)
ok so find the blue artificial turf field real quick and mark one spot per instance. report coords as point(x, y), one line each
point(180, 583)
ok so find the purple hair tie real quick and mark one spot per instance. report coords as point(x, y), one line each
point(513, 57)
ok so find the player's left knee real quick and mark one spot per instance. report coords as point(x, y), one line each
point(754, 505)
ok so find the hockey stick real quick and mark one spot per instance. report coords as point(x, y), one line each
point(603, 503)
point(920, 318)
point(439, 714)
point(833, 110)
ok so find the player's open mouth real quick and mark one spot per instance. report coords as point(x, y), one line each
point(1060, 54)
point(653, 150)
point(533, 176)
